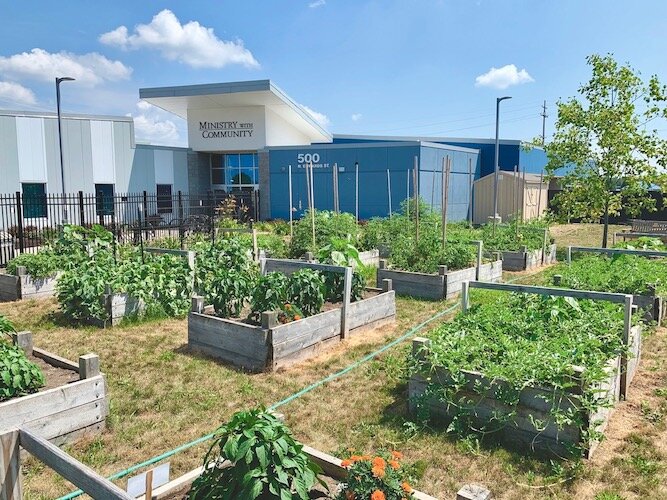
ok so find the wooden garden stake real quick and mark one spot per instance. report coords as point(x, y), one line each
point(415, 188)
point(149, 485)
point(446, 164)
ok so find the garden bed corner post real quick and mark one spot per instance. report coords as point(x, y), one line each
point(544, 245)
point(347, 292)
point(10, 466)
point(479, 244)
point(627, 326)
point(465, 296)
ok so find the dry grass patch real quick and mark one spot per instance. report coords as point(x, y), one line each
point(583, 235)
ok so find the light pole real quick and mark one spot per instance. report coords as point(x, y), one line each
point(496, 168)
point(59, 80)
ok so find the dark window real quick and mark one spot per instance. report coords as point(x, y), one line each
point(34, 200)
point(104, 199)
point(164, 200)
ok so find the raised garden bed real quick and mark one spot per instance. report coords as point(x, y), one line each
point(524, 259)
point(443, 285)
point(75, 401)
point(334, 473)
point(119, 306)
point(270, 345)
point(23, 286)
point(486, 398)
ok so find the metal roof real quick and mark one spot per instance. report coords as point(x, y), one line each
point(180, 99)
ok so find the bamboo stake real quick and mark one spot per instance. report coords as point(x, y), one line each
point(415, 188)
point(312, 202)
point(446, 166)
point(291, 218)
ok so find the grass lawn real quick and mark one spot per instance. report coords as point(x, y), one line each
point(163, 396)
point(583, 235)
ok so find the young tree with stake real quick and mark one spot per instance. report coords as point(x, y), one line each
point(604, 137)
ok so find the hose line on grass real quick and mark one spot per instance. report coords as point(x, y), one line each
point(290, 398)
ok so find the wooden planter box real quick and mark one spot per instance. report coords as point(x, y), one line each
point(370, 258)
point(272, 346)
point(64, 413)
point(23, 286)
point(444, 285)
point(549, 256)
point(118, 306)
point(522, 260)
point(331, 467)
point(535, 402)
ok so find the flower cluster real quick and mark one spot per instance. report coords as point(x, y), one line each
point(289, 313)
point(379, 477)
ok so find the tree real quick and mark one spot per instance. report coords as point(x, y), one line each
point(612, 158)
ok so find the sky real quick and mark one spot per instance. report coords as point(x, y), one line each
point(393, 67)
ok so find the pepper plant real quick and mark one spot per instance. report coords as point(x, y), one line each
point(18, 375)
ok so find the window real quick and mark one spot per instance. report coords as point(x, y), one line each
point(164, 200)
point(234, 170)
point(34, 200)
point(104, 199)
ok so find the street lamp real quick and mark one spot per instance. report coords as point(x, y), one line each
point(59, 80)
point(495, 170)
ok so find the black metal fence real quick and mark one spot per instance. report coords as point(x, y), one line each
point(29, 221)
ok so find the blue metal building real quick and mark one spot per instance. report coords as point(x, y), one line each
point(382, 166)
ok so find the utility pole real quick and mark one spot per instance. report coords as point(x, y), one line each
point(544, 116)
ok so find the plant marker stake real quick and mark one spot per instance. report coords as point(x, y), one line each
point(289, 188)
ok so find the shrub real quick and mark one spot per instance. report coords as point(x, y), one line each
point(18, 375)
point(266, 461)
point(43, 264)
point(328, 225)
point(270, 294)
point(378, 478)
point(306, 291)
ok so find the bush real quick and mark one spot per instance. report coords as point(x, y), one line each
point(328, 225)
point(18, 375)
point(306, 291)
point(266, 462)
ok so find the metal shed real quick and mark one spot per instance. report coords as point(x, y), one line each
point(518, 193)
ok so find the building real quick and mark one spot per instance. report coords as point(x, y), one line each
point(523, 196)
point(246, 137)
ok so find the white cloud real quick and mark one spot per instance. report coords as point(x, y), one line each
point(152, 125)
point(317, 3)
point(501, 78)
point(88, 69)
point(356, 117)
point(16, 94)
point(320, 118)
point(190, 43)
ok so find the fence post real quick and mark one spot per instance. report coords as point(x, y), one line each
point(82, 218)
point(19, 221)
point(627, 327)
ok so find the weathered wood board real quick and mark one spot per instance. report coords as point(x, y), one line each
point(26, 287)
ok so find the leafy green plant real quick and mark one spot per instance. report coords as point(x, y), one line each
point(43, 264)
point(509, 237)
point(340, 252)
point(328, 225)
point(619, 274)
point(266, 462)
point(305, 290)
point(18, 375)
point(381, 477)
point(643, 243)
point(523, 340)
point(270, 294)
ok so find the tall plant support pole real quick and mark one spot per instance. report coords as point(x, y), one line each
point(356, 190)
point(470, 187)
point(289, 188)
point(433, 188)
point(336, 200)
point(415, 188)
point(389, 191)
point(312, 201)
point(497, 164)
point(523, 197)
point(446, 166)
point(407, 197)
point(516, 197)
point(539, 199)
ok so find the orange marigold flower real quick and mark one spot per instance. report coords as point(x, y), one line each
point(406, 487)
point(379, 462)
point(397, 455)
point(394, 464)
point(346, 463)
point(377, 495)
point(297, 317)
point(378, 472)
point(349, 495)
point(356, 458)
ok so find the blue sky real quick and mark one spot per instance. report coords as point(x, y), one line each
point(363, 67)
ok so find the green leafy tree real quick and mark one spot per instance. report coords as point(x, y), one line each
point(605, 138)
